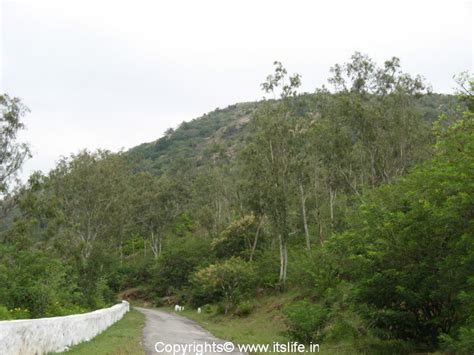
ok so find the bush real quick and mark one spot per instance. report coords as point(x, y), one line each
point(32, 281)
point(158, 302)
point(20, 313)
point(305, 321)
point(173, 268)
point(229, 281)
point(69, 309)
point(137, 272)
point(244, 309)
point(207, 308)
point(267, 265)
point(4, 313)
point(315, 273)
point(462, 340)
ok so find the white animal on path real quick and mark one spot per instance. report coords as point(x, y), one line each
point(199, 310)
point(177, 308)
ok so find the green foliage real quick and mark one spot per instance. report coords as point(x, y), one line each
point(34, 284)
point(229, 281)
point(266, 264)
point(412, 249)
point(189, 140)
point(20, 313)
point(207, 308)
point(137, 271)
point(5, 313)
point(313, 273)
point(173, 268)
point(305, 321)
point(463, 342)
point(238, 239)
point(244, 308)
point(12, 153)
point(325, 193)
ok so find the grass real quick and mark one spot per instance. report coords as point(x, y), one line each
point(122, 338)
point(264, 325)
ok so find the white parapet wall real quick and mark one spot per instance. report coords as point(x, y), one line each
point(56, 334)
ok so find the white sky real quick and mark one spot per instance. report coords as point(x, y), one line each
point(114, 74)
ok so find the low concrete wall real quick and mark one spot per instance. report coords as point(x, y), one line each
point(56, 334)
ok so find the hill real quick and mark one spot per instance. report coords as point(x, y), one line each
point(225, 129)
point(197, 139)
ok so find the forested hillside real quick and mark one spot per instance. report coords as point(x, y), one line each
point(357, 199)
point(197, 140)
point(226, 130)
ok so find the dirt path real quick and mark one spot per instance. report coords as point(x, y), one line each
point(167, 328)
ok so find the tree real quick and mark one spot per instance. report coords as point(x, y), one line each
point(88, 189)
point(33, 281)
point(12, 153)
point(270, 157)
point(377, 105)
point(240, 238)
point(410, 247)
point(156, 206)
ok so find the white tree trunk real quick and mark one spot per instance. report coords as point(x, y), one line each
point(303, 212)
point(283, 261)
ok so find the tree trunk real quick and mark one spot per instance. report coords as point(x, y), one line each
point(285, 254)
point(254, 246)
point(303, 212)
point(319, 219)
point(155, 244)
point(283, 261)
point(320, 225)
point(332, 199)
point(121, 251)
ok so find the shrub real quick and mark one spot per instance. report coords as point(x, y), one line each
point(267, 265)
point(305, 321)
point(158, 302)
point(20, 313)
point(207, 308)
point(465, 342)
point(315, 273)
point(33, 282)
point(4, 313)
point(137, 272)
point(244, 308)
point(175, 265)
point(229, 281)
point(69, 309)
point(461, 341)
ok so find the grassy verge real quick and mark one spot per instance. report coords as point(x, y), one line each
point(122, 338)
point(264, 325)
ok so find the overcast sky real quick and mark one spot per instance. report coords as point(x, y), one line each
point(114, 74)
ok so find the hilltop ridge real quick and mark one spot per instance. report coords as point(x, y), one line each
point(224, 130)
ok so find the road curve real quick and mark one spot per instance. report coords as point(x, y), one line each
point(170, 328)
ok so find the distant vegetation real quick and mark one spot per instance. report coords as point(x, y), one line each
point(356, 200)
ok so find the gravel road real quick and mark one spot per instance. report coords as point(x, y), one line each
point(167, 328)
